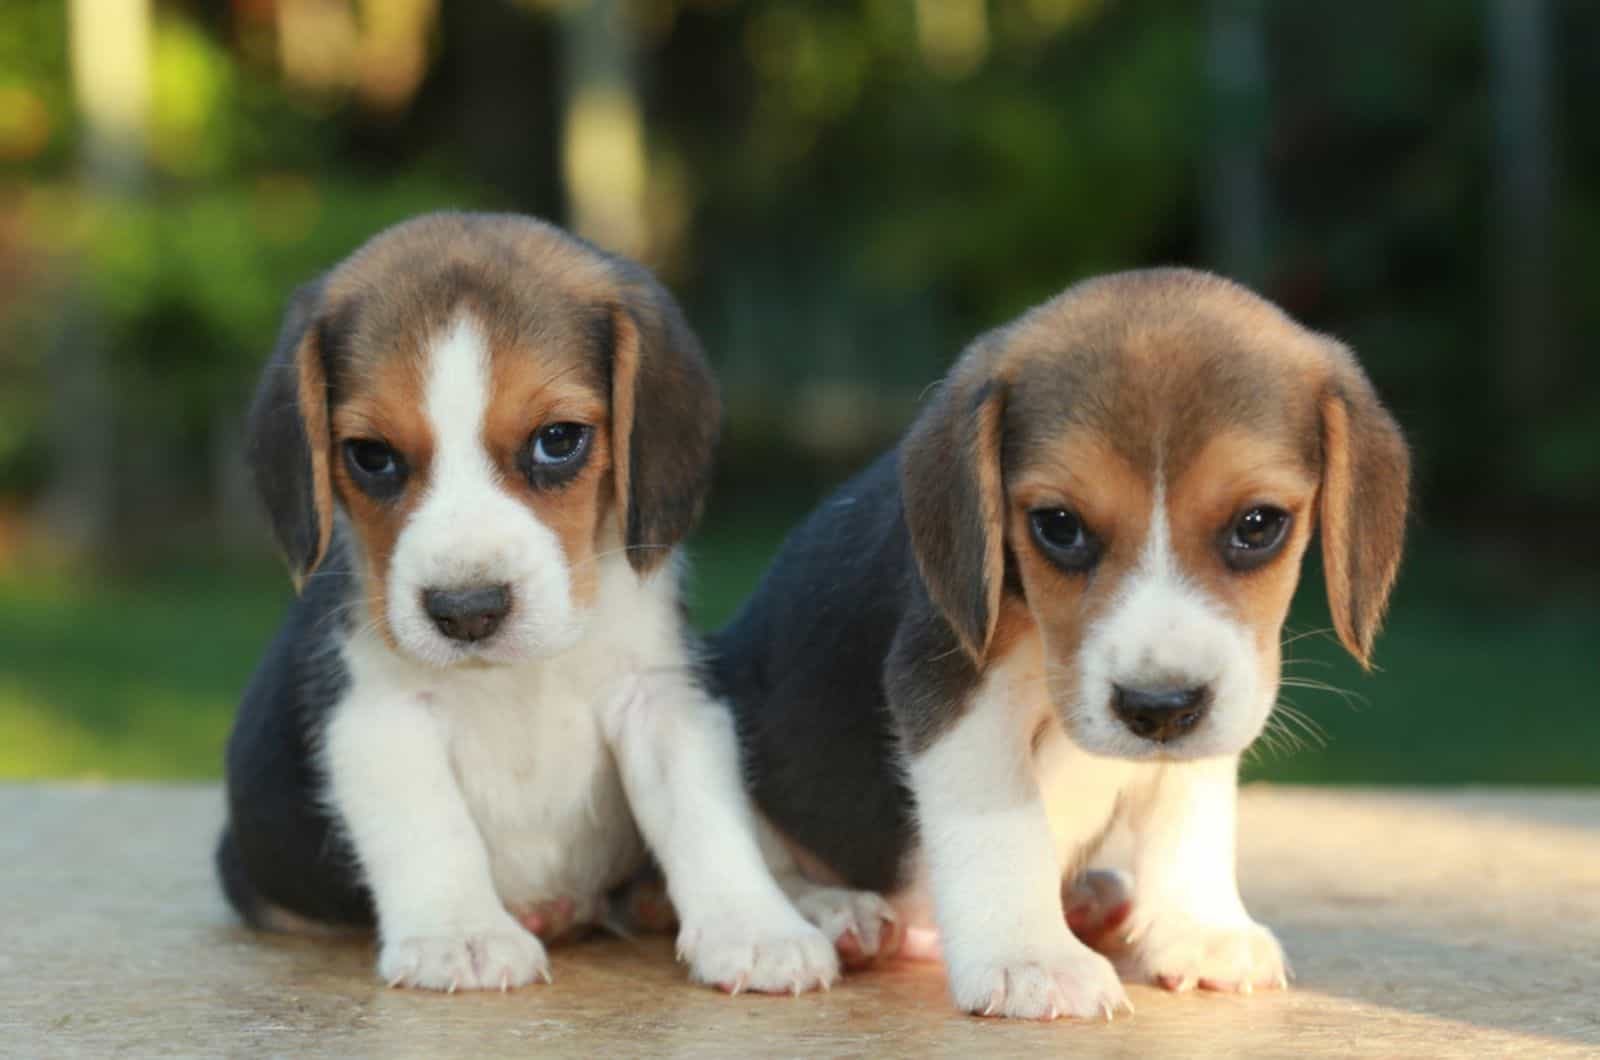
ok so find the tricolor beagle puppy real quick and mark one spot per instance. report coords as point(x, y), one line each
point(1056, 607)
point(480, 441)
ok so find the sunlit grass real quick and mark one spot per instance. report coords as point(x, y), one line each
point(127, 679)
point(161, 736)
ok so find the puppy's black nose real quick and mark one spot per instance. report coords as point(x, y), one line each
point(470, 614)
point(1160, 714)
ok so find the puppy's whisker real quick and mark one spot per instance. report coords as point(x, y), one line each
point(1352, 700)
point(1287, 732)
point(1293, 718)
point(1266, 746)
point(341, 611)
point(1324, 631)
point(372, 625)
point(617, 552)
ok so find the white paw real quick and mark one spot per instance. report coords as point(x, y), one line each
point(860, 923)
point(1180, 953)
point(499, 958)
point(1068, 981)
point(776, 953)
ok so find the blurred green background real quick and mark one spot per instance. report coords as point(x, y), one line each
point(842, 194)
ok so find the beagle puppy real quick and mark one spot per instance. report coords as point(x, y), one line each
point(1055, 607)
point(480, 441)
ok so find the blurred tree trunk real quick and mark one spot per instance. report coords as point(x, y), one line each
point(1523, 199)
point(110, 45)
point(1236, 204)
point(602, 137)
point(496, 52)
point(235, 510)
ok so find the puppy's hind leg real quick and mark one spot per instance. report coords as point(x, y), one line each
point(641, 906)
point(1098, 903)
point(861, 924)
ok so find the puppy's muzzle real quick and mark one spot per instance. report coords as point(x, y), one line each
point(468, 615)
point(1161, 714)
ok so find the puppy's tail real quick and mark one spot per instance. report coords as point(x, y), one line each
point(261, 914)
point(249, 904)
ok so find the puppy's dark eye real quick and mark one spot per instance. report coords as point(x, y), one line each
point(1255, 537)
point(375, 467)
point(1064, 539)
point(554, 454)
point(558, 443)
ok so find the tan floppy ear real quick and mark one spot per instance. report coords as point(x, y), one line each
point(953, 493)
point(665, 418)
point(1366, 478)
point(289, 438)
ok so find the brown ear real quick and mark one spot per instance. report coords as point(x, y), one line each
point(954, 498)
point(289, 438)
point(665, 417)
point(1366, 479)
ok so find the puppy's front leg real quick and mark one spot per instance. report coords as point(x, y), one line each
point(1190, 927)
point(679, 761)
point(995, 877)
point(441, 924)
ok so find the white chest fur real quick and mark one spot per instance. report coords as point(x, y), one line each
point(524, 745)
point(1081, 793)
point(527, 750)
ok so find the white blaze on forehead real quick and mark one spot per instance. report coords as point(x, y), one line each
point(1166, 618)
point(469, 529)
point(1157, 560)
point(1164, 630)
point(457, 399)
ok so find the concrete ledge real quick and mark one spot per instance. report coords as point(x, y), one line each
point(1420, 924)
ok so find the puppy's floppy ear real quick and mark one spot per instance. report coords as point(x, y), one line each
point(665, 417)
point(1366, 477)
point(289, 438)
point(954, 498)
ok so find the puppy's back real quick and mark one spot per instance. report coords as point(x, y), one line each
point(801, 665)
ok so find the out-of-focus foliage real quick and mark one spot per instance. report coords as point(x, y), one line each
point(843, 194)
point(892, 203)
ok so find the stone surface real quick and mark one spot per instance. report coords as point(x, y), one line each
point(1420, 924)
